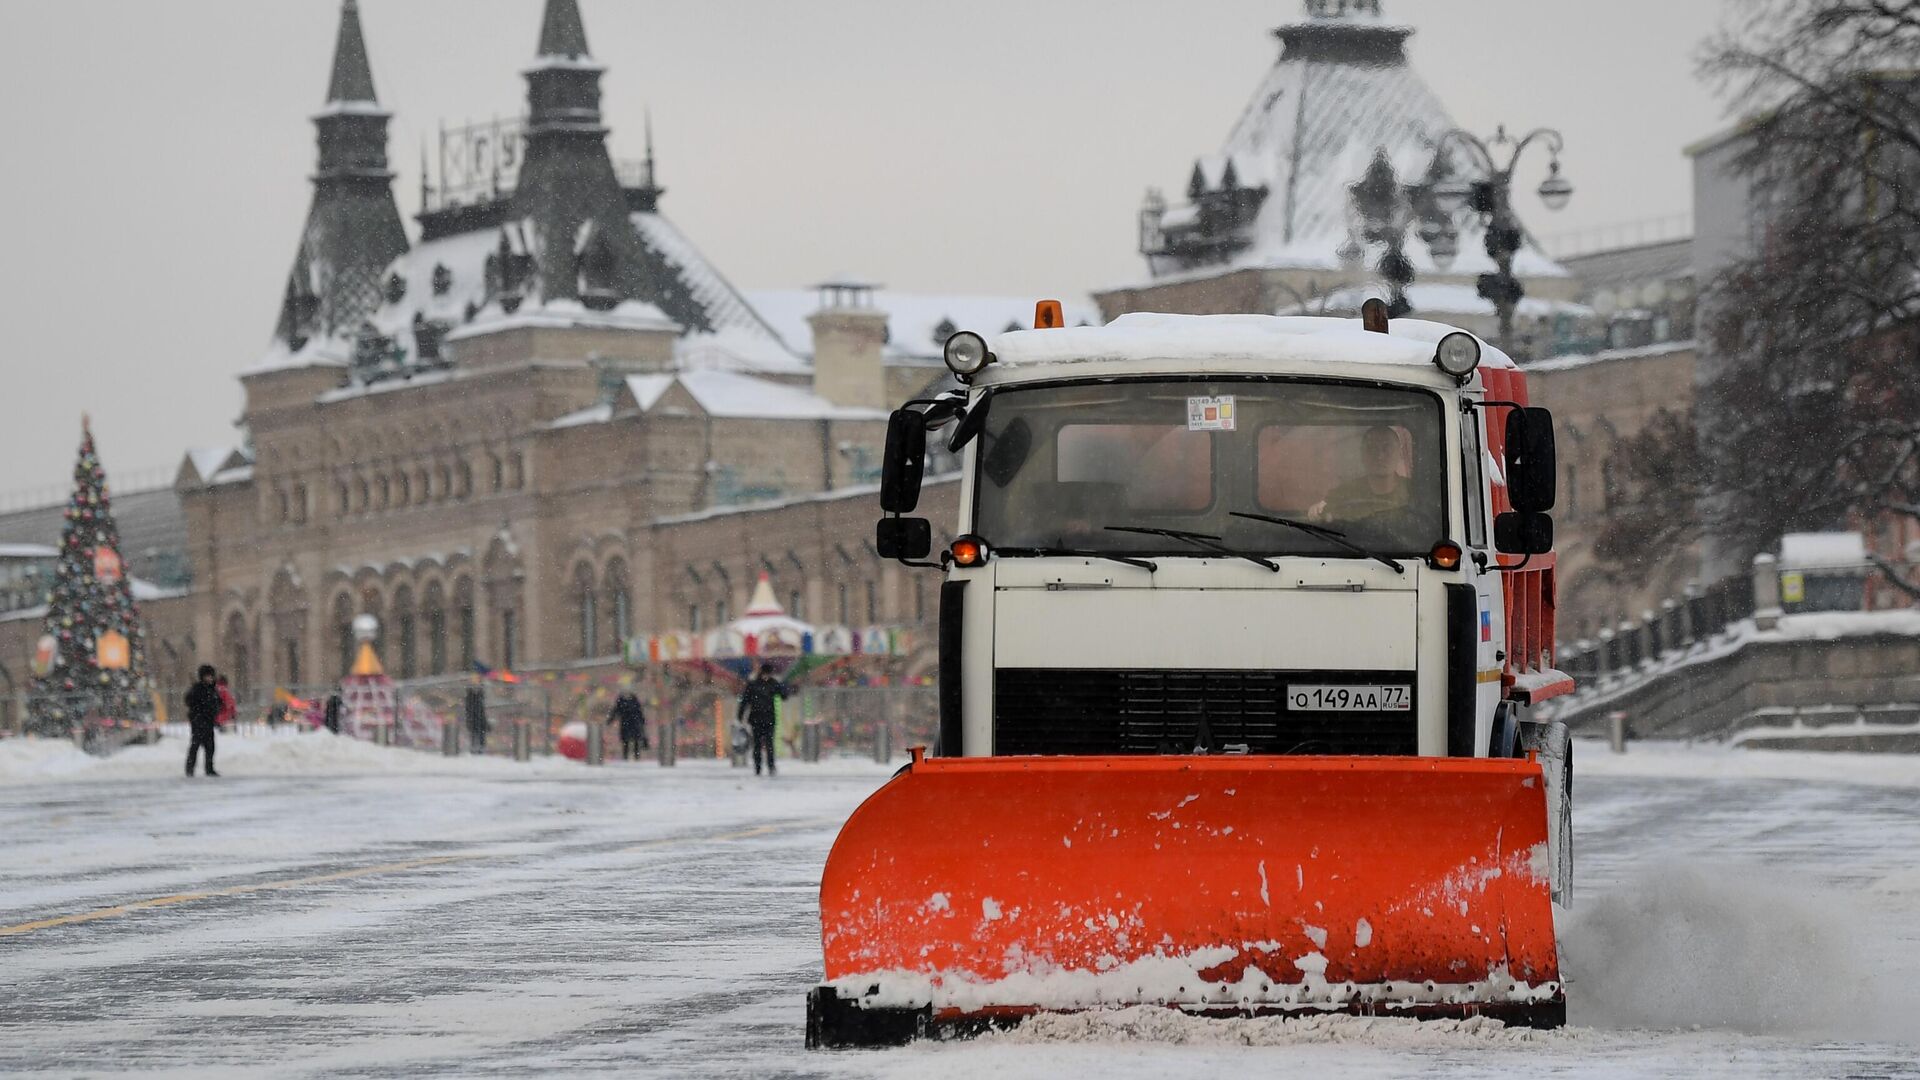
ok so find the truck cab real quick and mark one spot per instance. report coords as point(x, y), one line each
point(1241, 535)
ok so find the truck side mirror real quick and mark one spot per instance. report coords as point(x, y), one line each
point(903, 538)
point(1532, 468)
point(905, 462)
point(1519, 533)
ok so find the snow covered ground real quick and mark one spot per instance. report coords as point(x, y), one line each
point(328, 908)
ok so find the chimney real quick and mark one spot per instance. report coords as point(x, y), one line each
point(848, 336)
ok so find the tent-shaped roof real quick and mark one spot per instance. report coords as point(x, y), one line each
point(1341, 92)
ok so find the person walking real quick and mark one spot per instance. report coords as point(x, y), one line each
point(476, 710)
point(633, 725)
point(203, 713)
point(758, 709)
point(331, 716)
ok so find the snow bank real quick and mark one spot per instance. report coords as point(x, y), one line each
point(283, 753)
point(1152, 1024)
point(1748, 949)
point(1712, 761)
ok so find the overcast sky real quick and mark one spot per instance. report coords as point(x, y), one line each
point(156, 174)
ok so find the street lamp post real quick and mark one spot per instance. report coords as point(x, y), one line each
point(1489, 194)
point(1382, 210)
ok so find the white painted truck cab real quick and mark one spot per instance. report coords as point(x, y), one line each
point(1246, 535)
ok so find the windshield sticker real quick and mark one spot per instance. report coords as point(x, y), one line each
point(1210, 413)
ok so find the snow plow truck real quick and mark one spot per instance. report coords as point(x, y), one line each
point(1242, 627)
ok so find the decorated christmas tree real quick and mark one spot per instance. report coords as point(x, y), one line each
point(89, 666)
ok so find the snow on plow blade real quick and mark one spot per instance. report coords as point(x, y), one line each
point(971, 892)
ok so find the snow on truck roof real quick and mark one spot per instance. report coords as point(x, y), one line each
point(1149, 338)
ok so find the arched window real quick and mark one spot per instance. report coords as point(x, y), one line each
point(405, 628)
point(846, 613)
point(343, 630)
point(793, 604)
point(467, 622)
point(383, 491)
point(403, 485)
point(422, 486)
point(619, 603)
point(465, 477)
point(446, 481)
point(342, 499)
point(517, 470)
point(873, 602)
point(299, 504)
point(433, 614)
point(499, 469)
point(587, 609)
point(363, 502)
point(237, 654)
point(919, 598)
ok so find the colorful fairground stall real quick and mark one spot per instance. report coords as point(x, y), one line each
point(845, 682)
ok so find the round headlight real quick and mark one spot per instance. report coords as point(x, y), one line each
point(966, 353)
point(1458, 354)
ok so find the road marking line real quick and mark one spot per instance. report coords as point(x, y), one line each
point(232, 890)
point(359, 872)
point(743, 834)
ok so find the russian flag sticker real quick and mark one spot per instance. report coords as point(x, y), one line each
point(1486, 626)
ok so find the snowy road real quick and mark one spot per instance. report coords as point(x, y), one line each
point(315, 913)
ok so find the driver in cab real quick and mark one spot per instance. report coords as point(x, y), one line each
point(1379, 489)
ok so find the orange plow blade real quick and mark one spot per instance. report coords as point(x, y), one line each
point(969, 892)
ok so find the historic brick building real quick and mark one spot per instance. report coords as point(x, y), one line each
point(545, 426)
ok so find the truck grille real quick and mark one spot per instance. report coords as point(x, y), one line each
point(1076, 711)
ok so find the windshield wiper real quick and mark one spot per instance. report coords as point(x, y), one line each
point(1076, 553)
point(1200, 540)
point(1334, 535)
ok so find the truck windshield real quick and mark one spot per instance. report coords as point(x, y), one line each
point(1059, 464)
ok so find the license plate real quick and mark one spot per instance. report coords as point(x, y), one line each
point(1349, 698)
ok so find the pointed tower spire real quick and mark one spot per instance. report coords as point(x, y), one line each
point(352, 75)
point(646, 196)
point(353, 228)
point(561, 31)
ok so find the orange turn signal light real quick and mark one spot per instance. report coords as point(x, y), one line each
point(968, 551)
point(1444, 556)
point(1047, 315)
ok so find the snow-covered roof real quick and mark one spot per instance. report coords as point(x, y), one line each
point(724, 305)
point(566, 315)
point(737, 348)
point(593, 414)
point(209, 461)
point(143, 591)
point(740, 340)
point(314, 352)
point(732, 395)
point(1157, 338)
point(1823, 551)
point(27, 551)
point(1309, 132)
point(1569, 361)
point(912, 317)
point(1441, 298)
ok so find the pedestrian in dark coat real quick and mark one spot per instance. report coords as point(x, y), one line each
point(477, 718)
point(758, 709)
point(203, 714)
point(332, 714)
point(633, 725)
